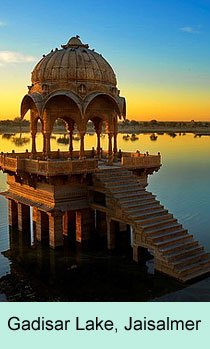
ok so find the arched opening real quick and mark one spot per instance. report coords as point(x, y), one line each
point(104, 107)
point(68, 126)
point(64, 107)
point(98, 124)
point(36, 126)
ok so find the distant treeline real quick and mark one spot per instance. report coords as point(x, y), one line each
point(123, 125)
point(154, 123)
point(17, 122)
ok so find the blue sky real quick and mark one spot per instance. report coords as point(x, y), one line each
point(159, 49)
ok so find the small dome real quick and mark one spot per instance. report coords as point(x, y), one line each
point(74, 62)
point(74, 41)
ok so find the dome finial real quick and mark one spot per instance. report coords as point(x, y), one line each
point(74, 42)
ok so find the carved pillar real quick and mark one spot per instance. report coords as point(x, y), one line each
point(70, 130)
point(23, 217)
point(12, 213)
point(110, 135)
point(98, 127)
point(33, 140)
point(42, 226)
point(44, 144)
point(84, 224)
point(115, 136)
point(101, 225)
point(56, 229)
point(115, 144)
point(136, 253)
point(98, 144)
point(34, 220)
point(82, 149)
point(71, 143)
point(65, 223)
point(33, 123)
point(47, 144)
point(111, 238)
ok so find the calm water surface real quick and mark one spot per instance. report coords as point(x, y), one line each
point(182, 185)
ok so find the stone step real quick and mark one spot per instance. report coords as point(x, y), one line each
point(158, 223)
point(187, 260)
point(169, 234)
point(165, 226)
point(184, 252)
point(177, 247)
point(171, 241)
point(125, 187)
point(146, 209)
point(126, 190)
point(114, 178)
point(120, 184)
point(185, 270)
point(139, 213)
point(195, 274)
point(114, 174)
point(151, 216)
point(135, 192)
point(142, 205)
point(135, 199)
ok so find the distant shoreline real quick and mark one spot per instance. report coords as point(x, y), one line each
point(126, 127)
point(197, 131)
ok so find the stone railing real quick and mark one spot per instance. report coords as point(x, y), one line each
point(51, 167)
point(11, 163)
point(60, 167)
point(135, 160)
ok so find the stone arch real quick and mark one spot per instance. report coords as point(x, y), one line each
point(102, 102)
point(63, 105)
point(106, 107)
point(33, 102)
point(70, 124)
point(73, 99)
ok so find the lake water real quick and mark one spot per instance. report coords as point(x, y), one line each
point(182, 186)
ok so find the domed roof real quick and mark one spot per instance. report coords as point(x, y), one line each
point(73, 62)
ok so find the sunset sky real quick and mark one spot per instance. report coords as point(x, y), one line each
point(159, 49)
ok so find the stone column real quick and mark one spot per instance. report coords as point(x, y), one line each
point(34, 215)
point(12, 213)
point(38, 226)
point(44, 144)
point(115, 144)
point(33, 140)
point(82, 149)
point(47, 144)
point(101, 224)
point(136, 253)
point(23, 217)
point(111, 238)
point(71, 143)
point(34, 220)
point(42, 226)
point(56, 229)
point(115, 136)
point(98, 144)
point(84, 224)
point(110, 135)
point(65, 224)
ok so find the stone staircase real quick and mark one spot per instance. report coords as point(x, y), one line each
point(175, 251)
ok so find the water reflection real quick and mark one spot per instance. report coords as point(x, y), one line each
point(153, 137)
point(182, 185)
point(63, 140)
point(72, 274)
point(20, 140)
point(8, 135)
